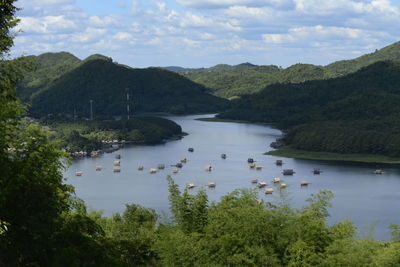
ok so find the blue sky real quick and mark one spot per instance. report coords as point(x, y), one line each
point(203, 33)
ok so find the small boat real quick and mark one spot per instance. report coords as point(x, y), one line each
point(99, 168)
point(316, 171)
point(179, 165)
point(183, 160)
point(252, 165)
point(117, 156)
point(208, 168)
point(161, 166)
point(269, 190)
point(283, 185)
point(175, 170)
point(223, 156)
point(117, 169)
point(262, 184)
point(153, 170)
point(258, 167)
point(190, 149)
point(190, 186)
point(278, 162)
point(78, 173)
point(254, 180)
point(304, 183)
point(288, 172)
point(140, 168)
point(211, 184)
point(250, 160)
point(117, 163)
point(378, 171)
point(277, 180)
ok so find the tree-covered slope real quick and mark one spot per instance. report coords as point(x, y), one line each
point(49, 66)
point(229, 81)
point(343, 67)
point(328, 115)
point(104, 82)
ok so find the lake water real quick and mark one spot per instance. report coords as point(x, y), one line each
point(365, 198)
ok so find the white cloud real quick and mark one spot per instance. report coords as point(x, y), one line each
point(48, 24)
point(123, 36)
point(210, 4)
point(90, 34)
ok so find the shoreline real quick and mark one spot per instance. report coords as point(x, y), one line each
point(236, 121)
point(288, 152)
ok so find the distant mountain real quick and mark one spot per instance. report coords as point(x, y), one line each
point(174, 68)
point(229, 81)
point(356, 113)
point(104, 82)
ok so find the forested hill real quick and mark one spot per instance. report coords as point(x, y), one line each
point(104, 82)
point(49, 66)
point(330, 115)
point(229, 81)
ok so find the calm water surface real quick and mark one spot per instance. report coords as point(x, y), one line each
point(360, 195)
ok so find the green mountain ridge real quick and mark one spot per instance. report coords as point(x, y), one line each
point(229, 81)
point(356, 113)
point(104, 82)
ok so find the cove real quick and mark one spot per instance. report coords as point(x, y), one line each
point(360, 195)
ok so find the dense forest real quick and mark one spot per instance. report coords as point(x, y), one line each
point(104, 82)
point(356, 113)
point(98, 78)
point(230, 81)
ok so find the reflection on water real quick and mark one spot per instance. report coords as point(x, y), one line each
point(360, 195)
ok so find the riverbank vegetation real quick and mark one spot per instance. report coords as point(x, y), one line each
point(84, 135)
point(290, 152)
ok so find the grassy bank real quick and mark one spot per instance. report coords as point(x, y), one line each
point(289, 152)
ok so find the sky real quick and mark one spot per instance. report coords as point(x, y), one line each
point(203, 33)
